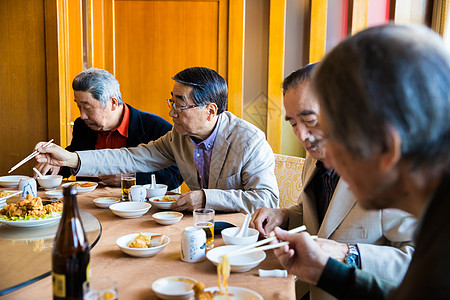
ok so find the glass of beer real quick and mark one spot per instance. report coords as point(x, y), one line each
point(204, 218)
point(127, 180)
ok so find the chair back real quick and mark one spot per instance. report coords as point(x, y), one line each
point(288, 171)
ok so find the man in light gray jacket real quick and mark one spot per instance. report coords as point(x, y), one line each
point(225, 161)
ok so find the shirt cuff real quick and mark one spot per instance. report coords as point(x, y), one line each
point(74, 171)
point(336, 278)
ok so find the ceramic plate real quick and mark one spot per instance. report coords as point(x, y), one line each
point(161, 203)
point(236, 293)
point(32, 223)
point(11, 181)
point(82, 189)
point(175, 287)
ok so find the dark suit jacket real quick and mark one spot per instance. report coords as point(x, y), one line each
point(143, 128)
point(428, 275)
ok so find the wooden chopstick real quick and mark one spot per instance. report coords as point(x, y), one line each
point(32, 155)
point(263, 248)
point(265, 241)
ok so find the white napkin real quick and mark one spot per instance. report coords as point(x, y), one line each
point(272, 273)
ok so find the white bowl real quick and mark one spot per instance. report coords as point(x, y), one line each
point(167, 217)
point(238, 263)
point(156, 201)
point(82, 189)
point(50, 182)
point(175, 287)
point(160, 190)
point(11, 181)
point(130, 209)
point(123, 242)
point(228, 236)
point(55, 194)
point(105, 202)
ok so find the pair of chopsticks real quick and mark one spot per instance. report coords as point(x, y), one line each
point(252, 248)
point(31, 156)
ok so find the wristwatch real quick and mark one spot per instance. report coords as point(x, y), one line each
point(352, 257)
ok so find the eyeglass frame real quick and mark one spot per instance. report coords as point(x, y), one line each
point(178, 107)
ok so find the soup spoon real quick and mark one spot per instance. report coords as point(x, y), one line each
point(38, 173)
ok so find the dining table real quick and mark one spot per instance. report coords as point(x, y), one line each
point(134, 275)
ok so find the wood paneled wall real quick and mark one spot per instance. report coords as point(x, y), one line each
point(23, 90)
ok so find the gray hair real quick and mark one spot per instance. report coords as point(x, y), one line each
point(99, 83)
point(298, 77)
point(389, 76)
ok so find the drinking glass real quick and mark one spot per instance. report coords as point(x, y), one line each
point(100, 288)
point(127, 180)
point(204, 218)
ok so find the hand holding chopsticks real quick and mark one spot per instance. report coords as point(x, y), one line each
point(31, 156)
point(252, 248)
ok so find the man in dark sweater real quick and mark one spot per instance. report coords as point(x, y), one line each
point(107, 122)
point(385, 100)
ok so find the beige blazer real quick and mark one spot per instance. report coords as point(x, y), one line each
point(384, 237)
point(241, 175)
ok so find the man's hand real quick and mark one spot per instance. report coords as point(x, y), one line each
point(46, 168)
point(266, 219)
point(336, 250)
point(190, 201)
point(111, 180)
point(56, 156)
point(302, 257)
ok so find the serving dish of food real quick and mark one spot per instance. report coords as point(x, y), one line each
point(142, 244)
point(163, 202)
point(83, 187)
point(31, 212)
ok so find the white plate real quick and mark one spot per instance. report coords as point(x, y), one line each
point(123, 242)
point(82, 190)
point(130, 209)
point(239, 293)
point(163, 205)
point(11, 181)
point(32, 223)
point(105, 202)
point(167, 217)
point(175, 287)
point(55, 194)
point(238, 263)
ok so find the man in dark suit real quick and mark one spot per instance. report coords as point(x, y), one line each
point(106, 122)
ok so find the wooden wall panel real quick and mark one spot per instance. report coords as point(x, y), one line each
point(23, 112)
point(154, 40)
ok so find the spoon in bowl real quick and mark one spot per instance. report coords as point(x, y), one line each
point(153, 185)
point(243, 231)
point(38, 173)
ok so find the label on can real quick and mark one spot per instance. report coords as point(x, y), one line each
point(193, 244)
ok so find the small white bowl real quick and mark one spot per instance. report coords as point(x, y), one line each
point(11, 181)
point(130, 209)
point(123, 242)
point(82, 189)
point(157, 201)
point(105, 202)
point(228, 236)
point(167, 217)
point(160, 190)
point(175, 287)
point(55, 194)
point(238, 263)
point(50, 182)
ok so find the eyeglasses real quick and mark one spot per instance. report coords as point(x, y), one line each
point(178, 107)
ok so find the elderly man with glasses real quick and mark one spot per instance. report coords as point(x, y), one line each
point(225, 161)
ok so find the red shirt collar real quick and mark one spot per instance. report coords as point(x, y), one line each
point(123, 127)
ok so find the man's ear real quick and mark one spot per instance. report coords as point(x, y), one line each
point(114, 103)
point(393, 152)
point(212, 111)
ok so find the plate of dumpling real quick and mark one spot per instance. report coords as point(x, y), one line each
point(143, 244)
